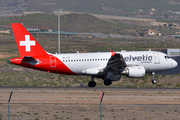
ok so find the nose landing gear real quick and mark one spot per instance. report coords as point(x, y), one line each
point(153, 78)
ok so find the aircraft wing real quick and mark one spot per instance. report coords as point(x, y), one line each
point(115, 63)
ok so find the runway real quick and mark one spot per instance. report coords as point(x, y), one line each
point(83, 103)
point(90, 95)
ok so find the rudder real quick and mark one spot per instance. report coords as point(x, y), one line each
point(26, 44)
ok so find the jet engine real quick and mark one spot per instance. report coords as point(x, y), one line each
point(134, 72)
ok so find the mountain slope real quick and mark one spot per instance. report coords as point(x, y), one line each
point(70, 22)
point(92, 6)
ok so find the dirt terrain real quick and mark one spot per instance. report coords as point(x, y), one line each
point(83, 104)
point(5, 55)
point(139, 21)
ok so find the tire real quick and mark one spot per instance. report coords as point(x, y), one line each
point(154, 81)
point(92, 84)
point(107, 82)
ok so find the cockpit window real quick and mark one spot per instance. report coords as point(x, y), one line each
point(166, 57)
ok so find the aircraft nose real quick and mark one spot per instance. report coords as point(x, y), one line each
point(174, 63)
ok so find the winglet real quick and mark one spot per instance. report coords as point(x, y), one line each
point(113, 53)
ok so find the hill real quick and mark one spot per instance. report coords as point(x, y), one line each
point(92, 6)
point(70, 22)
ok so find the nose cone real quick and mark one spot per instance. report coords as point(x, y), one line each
point(173, 63)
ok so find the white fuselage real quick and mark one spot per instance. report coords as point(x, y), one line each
point(152, 61)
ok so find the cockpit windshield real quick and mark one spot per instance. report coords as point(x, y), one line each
point(166, 57)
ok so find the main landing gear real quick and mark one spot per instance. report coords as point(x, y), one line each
point(153, 78)
point(92, 83)
point(107, 82)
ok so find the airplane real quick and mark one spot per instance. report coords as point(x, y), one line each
point(109, 66)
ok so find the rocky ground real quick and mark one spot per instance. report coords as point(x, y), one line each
point(83, 104)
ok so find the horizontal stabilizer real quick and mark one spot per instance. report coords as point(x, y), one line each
point(30, 60)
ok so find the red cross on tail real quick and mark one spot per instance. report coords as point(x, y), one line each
point(26, 44)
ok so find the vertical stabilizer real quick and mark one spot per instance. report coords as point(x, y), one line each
point(26, 44)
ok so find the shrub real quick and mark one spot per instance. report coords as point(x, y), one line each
point(0, 116)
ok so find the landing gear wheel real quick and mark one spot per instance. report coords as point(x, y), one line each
point(154, 81)
point(153, 78)
point(92, 84)
point(107, 82)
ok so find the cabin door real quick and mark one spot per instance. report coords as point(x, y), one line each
point(53, 62)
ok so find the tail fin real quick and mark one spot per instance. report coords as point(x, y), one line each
point(26, 44)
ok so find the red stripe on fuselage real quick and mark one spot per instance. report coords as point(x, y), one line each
point(44, 65)
point(63, 69)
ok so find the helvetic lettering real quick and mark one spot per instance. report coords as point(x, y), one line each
point(143, 58)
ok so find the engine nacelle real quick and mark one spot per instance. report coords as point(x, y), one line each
point(134, 72)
